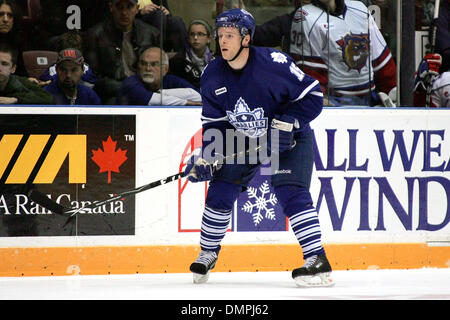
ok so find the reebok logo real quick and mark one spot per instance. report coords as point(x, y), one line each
point(283, 171)
point(220, 91)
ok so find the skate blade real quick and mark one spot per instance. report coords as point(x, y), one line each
point(200, 278)
point(318, 280)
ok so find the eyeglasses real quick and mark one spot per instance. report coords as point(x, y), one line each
point(154, 64)
point(198, 35)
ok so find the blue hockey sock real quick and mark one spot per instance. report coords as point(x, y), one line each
point(214, 227)
point(217, 214)
point(297, 205)
point(306, 227)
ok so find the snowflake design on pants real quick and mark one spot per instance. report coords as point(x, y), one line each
point(260, 203)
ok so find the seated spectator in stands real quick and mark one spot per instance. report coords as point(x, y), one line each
point(157, 13)
point(113, 47)
point(147, 87)
point(189, 63)
point(11, 31)
point(71, 39)
point(432, 88)
point(66, 87)
point(52, 18)
point(16, 89)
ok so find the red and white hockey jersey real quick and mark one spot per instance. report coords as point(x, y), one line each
point(337, 50)
point(440, 92)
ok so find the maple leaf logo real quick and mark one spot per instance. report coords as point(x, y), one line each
point(109, 160)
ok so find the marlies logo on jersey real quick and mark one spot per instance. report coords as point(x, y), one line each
point(278, 57)
point(252, 123)
point(355, 50)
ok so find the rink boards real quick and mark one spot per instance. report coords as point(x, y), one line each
point(381, 184)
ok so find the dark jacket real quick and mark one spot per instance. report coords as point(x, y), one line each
point(85, 95)
point(133, 91)
point(182, 66)
point(103, 53)
point(26, 91)
point(443, 34)
point(275, 32)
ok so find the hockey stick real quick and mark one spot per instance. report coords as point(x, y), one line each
point(41, 199)
point(55, 207)
point(432, 47)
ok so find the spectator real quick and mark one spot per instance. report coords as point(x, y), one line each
point(11, 31)
point(152, 85)
point(157, 14)
point(352, 60)
point(189, 63)
point(71, 39)
point(113, 47)
point(16, 89)
point(66, 87)
point(54, 18)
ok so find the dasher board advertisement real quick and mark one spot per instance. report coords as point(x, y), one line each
point(73, 159)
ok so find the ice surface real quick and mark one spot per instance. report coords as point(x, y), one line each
point(426, 283)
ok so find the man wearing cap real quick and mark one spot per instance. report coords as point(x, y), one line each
point(66, 87)
point(114, 45)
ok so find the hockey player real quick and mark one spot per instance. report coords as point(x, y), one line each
point(254, 91)
point(428, 76)
point(339, 43)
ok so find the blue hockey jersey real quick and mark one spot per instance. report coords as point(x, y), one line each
point(247, 100)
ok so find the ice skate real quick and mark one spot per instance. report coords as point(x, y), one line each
point(201, 267)
point(314, 273)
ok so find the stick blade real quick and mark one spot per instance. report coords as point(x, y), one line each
point(44, 201)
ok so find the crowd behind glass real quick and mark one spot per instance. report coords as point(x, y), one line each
point(145, 52)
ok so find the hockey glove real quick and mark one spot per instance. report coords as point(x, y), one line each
point(428, 70)
point(198, 169)
point(285, 125)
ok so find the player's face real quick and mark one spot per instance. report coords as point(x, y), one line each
point(6, 18)
point(229, 41)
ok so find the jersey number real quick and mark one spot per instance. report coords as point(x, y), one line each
point(296, 71)
point(296, 38)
